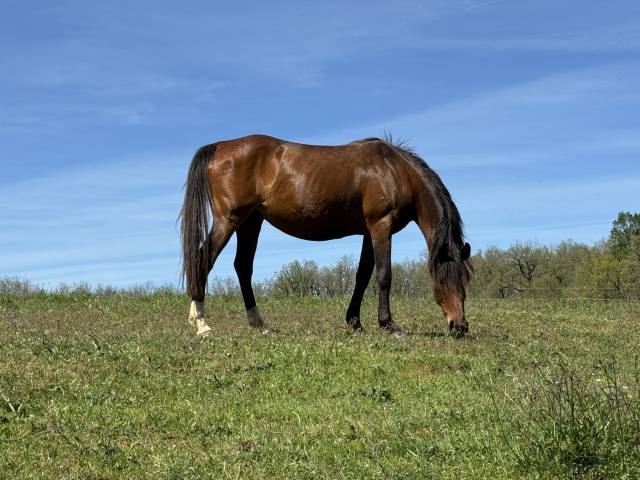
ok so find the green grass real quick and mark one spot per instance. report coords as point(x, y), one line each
point(98, 387)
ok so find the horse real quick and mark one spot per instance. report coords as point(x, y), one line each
point(371, 187)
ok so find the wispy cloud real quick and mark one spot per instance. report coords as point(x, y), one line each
point(481, 4)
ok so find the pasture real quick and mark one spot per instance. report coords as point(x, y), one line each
point(118, 386)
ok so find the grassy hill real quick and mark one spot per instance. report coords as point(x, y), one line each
point(117, 386)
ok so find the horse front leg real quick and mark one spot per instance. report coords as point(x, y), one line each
point(365, 269)
point(381, 242)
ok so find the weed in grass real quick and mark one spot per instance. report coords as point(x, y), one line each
point(380, 395)
point(573, 422)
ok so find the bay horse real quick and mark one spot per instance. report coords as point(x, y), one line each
point(371, 187)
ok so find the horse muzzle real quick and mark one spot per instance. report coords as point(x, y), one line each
point(460, 330)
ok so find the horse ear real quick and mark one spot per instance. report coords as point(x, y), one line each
point(465, 252)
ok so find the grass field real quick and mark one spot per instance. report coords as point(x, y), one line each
point(101, 387)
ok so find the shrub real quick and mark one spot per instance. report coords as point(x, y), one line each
point(564, 422)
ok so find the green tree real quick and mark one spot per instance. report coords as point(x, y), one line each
point(338, 279)
point(625, 228)
point(298, 279)
point(607, 277)
point(493, 275)
point(631, 269)
point(525, 260)
point(612, 270)
point(558, 268)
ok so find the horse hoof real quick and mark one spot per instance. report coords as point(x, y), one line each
point(267, 329)
point(354, 323)
point(263, 327)
point(399, 334)
point(205, 331)
point(393, 330)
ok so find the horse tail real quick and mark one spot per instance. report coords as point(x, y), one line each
point(194, 228)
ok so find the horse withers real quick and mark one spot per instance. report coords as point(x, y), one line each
point(371, 187)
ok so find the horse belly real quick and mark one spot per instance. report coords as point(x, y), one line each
point(324, 221)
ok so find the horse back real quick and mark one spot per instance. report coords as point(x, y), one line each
point(309, 191)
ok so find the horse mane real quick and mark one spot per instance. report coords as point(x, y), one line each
point(448, 237)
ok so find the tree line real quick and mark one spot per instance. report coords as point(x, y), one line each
point(610, 269)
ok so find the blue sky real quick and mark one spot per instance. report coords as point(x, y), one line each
point(528, 110)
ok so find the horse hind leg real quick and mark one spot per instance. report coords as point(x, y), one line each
point(218, 238)
point(247, 236)
point(365, 269)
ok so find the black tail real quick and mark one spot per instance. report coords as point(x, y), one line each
point(194, 227)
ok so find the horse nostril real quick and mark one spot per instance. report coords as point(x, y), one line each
point(452, 326)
